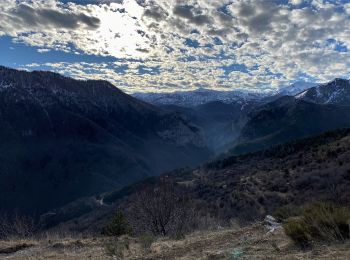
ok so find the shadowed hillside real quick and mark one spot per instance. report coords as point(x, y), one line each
point(246, 187)
point(62, 139)
point(288, 119)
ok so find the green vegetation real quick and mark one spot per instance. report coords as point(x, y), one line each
point(319, 222)
point(118, 226)
point(297, 230)
point(286, 212)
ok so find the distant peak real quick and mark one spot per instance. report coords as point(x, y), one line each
point(340, 80)
point(337, 82)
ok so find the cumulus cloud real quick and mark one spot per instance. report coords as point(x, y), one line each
point(249, 44)
point(189, 13)
point(99, 29)
point(26, 16)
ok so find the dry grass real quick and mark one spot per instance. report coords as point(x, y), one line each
point(247, 243)
point(66, 249)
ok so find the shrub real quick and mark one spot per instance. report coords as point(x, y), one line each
point(118, 226)
point(297, 230)
point(146, 241)
point(283, 213)
point(116, 249)
point(327, 221)
point(319, 222)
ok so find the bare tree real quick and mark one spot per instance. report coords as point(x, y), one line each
point(161, 210)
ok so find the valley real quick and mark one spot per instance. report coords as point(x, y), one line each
point(174, 130)
point(68, 139)
point(93, 151)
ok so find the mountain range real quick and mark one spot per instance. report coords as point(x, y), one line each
point(67, 139)
point(322, 108)
point(198, 97)
point(203, 96)
point(64, 139)
point(246, 183)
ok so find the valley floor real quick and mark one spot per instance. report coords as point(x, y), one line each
point(247, 243)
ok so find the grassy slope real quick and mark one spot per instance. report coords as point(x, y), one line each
point(251, 186)
point(253, 241)
point(254, 185)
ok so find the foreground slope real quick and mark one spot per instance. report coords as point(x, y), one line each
point(252, 242)
point(62, 139)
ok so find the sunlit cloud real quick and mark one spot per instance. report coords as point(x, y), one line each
point(161, 45)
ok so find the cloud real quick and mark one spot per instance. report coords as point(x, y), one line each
point(276, 42)
point(100, 29)
point(188, 12)
point(46, 17)
point(296, 2)
point(156, 12)
point(43, 50)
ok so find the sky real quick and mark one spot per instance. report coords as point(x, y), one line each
point(177, 45)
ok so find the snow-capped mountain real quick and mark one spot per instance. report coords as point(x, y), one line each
point(197, 97)
point(336, 92)
point(319, 109)
point(202, 96)
point(295, 88)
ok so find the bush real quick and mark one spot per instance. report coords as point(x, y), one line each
point(319, 222)
point(286, 212)
point(118, 226)
point(117, 248)
point(327, 221)
point(146, 241)
point(297, 230)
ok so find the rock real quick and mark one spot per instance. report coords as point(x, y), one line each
point(271, 224)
